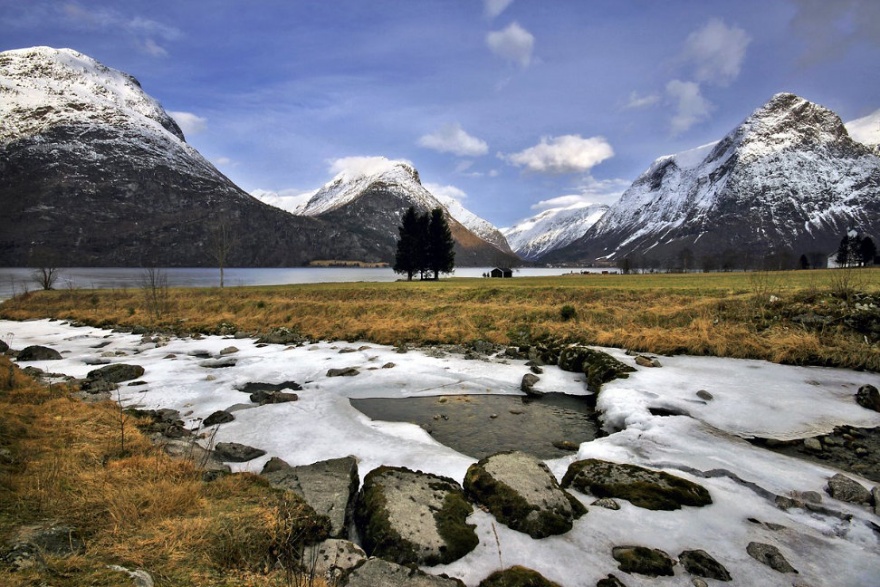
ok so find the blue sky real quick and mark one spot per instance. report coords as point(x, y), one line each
point(512, 106)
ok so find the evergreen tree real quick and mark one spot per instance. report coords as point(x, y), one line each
point(867, 251)
point(842, 259)
point(439, 251)
point(408, 258)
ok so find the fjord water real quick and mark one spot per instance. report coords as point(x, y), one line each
point(17, 280)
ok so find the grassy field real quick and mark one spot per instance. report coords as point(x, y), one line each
point(89, 467)
point(803, 317)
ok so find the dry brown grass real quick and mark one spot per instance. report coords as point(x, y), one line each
point(137, 508)
point(746, 315)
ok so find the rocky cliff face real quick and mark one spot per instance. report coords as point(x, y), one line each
point(94, 172)
point(370, 202)
point(788, 181)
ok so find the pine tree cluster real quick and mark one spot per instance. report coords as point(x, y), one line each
point(855, 250)
point(425, 246)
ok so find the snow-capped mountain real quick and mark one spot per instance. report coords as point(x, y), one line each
point(479, 226)
point(552, 229)
point(788, 181)
point(370, 195)
point(94, 172)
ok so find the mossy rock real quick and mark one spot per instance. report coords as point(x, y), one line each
point(643, 561)
point(116, 373)
point(653, 490)
point(411, 517)
point(598, 366)
point(522, 493)
point(702, 564)
point(517, 576)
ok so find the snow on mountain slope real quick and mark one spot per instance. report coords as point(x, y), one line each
point(789, 178)
point(479, 226)
point(552, 229)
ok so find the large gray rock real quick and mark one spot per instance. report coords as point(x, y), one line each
point(770, 556)
point(381, 573)
point(528, 385)
point(845, 489)
point(653, 490)
point(522, 493)
point(116, 373)
point(202, 458)
point(38, 353)
point(643, 561)
point(218, 417)
point(330, 487)
point(598, 366)
point(411, 517)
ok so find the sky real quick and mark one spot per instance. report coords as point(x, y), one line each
point(510, 106)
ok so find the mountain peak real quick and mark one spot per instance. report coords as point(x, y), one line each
point(58, 86)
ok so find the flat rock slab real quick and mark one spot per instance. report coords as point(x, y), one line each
point(234, 452)
point(204, 459)
point(653, 490)
point(381, 573)
point(702, 564)
point(218, 417)
point(845, 489)
point(517, 576)
point(522, 493)
point(411, 517)
point(343, 372)
point(329, 487)
point(598, 366)
point(273, 397)
point(770, 556)
point(332, 558)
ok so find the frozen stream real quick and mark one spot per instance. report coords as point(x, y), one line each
point(751, 398)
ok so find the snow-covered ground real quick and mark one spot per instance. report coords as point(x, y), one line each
point(751, 398)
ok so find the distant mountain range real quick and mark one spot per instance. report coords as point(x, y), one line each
point(93, 172)
point(787, 181)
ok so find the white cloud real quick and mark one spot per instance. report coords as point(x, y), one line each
point(446, 191)
point(351, 167)
point(562, 154)
point(451, 138)
point(224, 162)
point(141, 31)
point(637, 101)
point(495, 7)
point(716, 52)
point(291, 200)
point(592, 191)
point(189, 123)
point(690, 105)
point(513, 43)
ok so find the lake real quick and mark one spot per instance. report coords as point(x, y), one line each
point(17, 280)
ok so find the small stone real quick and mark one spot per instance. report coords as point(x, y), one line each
point(607, 503)
point(218, 417)
point(813, 445)
point(643, 561)
point(868, 397)
point(845, 489)
point(697, 582)
point(230, 350)
point(610, 581)
point(644, 361)
point(705, 395)
point(875, 495)
point(344, 372)
point(701, 563)
point(234, 452)
point(218, 363)
point(769, 555)
point(861, 451)
point(389, 366)
point(529, 381)
point(537, 370)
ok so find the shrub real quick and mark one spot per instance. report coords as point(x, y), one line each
point(567, 313)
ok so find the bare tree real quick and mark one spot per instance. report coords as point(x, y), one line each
point(46, 270)
point(154, 283)
point(221, 241)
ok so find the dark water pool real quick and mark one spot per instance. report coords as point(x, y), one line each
point(480, 425)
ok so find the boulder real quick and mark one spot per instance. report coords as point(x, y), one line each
point(38, 353)
point(230, 350)
point(705, 395)
point(643, 561)
point(643, 361)
point(769, 555)
point(116, 373)
point(868, 397)
point(376, 572)
point(517, 576)
point(522, 493)
point(598, 366)
point(701, 564)
point(845, 489)
point(218, 417)
point(653, 490)
point(3, 346)
point(528, 383)
point(204, 459)
point(411, 517)
point(329, 487)
point(233, 452)
point(344, 372)
point(332, 558)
